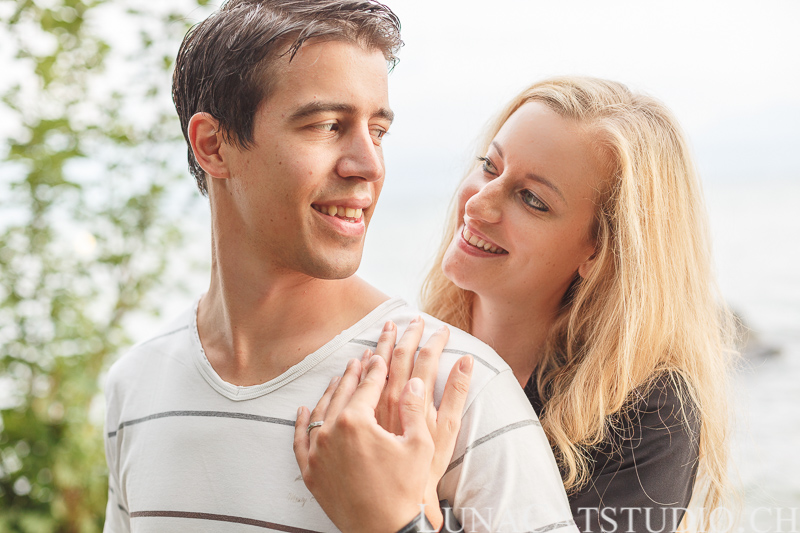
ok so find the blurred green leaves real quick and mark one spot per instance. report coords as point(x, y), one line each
point(90, 202)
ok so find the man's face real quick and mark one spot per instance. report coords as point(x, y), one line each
point(301, 197)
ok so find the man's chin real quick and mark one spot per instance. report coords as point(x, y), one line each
point(332, 268)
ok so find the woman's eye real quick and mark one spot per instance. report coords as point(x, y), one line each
point(533, 201)
point(487, 165)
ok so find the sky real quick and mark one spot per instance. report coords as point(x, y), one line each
point(730, 71)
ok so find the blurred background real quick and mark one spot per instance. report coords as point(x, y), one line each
point(103, 234)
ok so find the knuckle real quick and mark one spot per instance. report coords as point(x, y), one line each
point(347, 421)
point(323, 438)
point(427, 352)
point(314, 463)
point(452, 425)
point(461, 386)
point(414, 407)
point(393, 398)
point(400, 352)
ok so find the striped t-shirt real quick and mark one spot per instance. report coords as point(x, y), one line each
point(188, 451)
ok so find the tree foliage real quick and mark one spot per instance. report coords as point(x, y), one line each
point(89, 209)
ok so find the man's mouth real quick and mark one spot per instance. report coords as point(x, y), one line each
point(477, 242)
point(351, 214)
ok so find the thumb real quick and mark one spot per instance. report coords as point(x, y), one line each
point(412, 409)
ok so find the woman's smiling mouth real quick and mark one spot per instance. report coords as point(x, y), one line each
point(477, 242)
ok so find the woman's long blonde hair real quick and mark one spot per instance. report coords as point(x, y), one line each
point(648, 308)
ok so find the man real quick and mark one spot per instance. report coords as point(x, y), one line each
point(284, 105)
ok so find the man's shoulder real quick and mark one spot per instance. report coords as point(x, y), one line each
point(488, 365)
point(145, 356)
point(460, 343)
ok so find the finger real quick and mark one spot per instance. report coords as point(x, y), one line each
point(302, 440)
point(386, 342)
point(365, 357)
point(369, 390)
point(448, 420)
point(412, 410)
point(403, 358)
point(426, 367)
point(322, 405)
point(347, 385)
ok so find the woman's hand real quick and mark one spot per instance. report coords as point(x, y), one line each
point(364, 477)
point(442, 424)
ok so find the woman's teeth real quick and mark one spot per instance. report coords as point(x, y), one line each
point(339, 211)
point(480, 243)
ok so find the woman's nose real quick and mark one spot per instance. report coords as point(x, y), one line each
point(485, 202)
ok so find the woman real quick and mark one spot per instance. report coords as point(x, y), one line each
point(577, 248)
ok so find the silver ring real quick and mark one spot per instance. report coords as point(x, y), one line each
point(313, 425)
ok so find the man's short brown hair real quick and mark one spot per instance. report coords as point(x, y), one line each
point(223, 65)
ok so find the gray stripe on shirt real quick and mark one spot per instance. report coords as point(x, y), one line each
point(221, 518)
point(373, 344)
point(217, 414)
point(490, 436)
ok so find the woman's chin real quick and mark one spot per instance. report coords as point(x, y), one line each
point(457, 271)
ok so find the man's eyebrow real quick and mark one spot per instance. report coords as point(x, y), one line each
point(535, 177)
point(313, 108)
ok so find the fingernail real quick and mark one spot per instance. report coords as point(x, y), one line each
point(417, 387)
point(350, 364)
point(466, 366)
point(366, 355)
point(388, 326)
point(299, 411)
point(442, 329)
point(334, 380)
point(374, 360)
point(416, 320)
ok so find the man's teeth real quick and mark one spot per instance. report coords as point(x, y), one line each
point(339, 211)
point(480, 243)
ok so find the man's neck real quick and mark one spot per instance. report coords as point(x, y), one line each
point(515, 331)
point(254, 325)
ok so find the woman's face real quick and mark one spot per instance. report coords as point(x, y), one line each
point(526, 212)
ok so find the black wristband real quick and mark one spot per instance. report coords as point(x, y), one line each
point(451, 523)
point(419, 524)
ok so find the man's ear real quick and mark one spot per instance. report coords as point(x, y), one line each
point(206, 141)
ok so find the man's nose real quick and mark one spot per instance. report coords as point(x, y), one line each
point(362, 158)
point(485, 204)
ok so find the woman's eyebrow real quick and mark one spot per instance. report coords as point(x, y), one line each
point(313, 108)
point(535, 177)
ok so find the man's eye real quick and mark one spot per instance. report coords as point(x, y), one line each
point(378, 134)
point(487, 165)
point(328, 126)
point(533, 201)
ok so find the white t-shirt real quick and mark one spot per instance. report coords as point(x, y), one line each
point(188, 451)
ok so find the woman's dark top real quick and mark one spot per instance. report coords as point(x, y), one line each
point(643, 471)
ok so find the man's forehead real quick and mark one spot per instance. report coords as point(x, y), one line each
point(327, 74)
